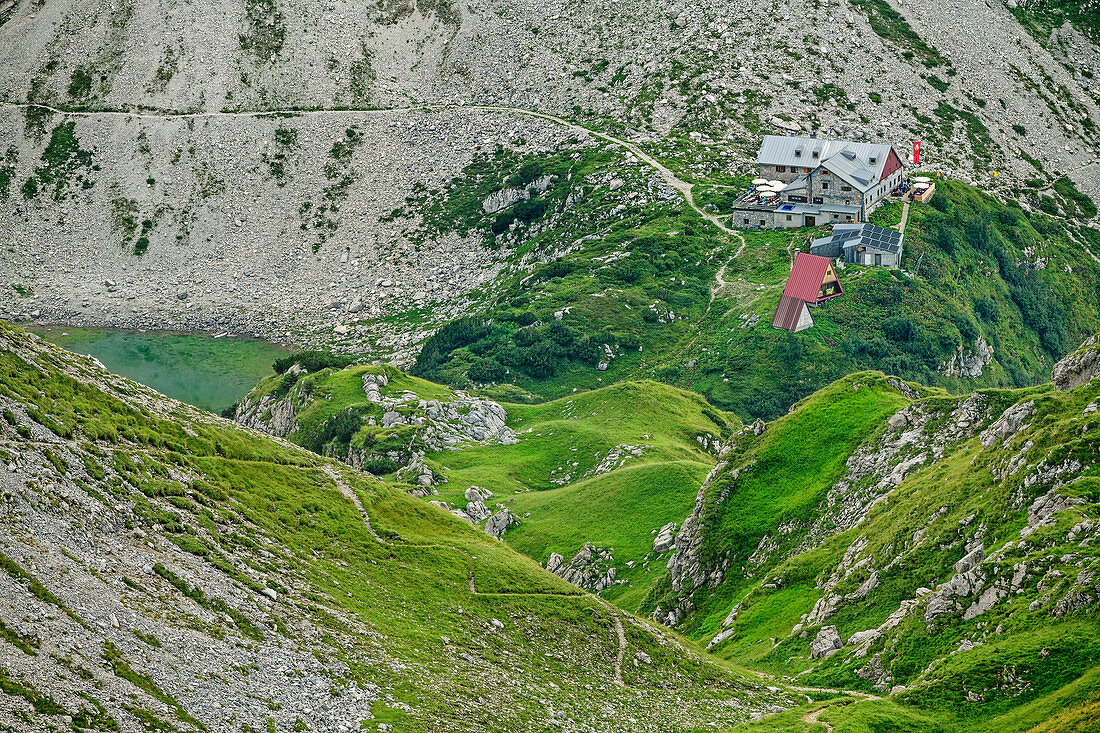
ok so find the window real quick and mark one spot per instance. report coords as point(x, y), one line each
point(818, 200)
point(845, 188)
point(788, 217)
point(781, 169)
point(816, 154)
point(746, 222)
point(824, 185)
point(873, 160)
point(761, 222)
point(798, 153)
point(826, 172)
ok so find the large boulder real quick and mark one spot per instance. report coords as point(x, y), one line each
point(826, 644)
point(1080, 367)
point(496, 524)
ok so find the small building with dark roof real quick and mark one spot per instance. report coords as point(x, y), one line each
point(792, 315)
point(861, 244)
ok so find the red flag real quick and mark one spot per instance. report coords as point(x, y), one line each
point(916, 152)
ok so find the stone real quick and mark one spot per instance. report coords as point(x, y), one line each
point(826, 643)
point(270, 593)
point(477, 511)
point(499, 522)
point(970, 560)
point(1005, 428)
point(1080, 367)
point(666, 538)
point(969, 363)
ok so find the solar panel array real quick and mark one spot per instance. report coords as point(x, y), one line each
point(880, 238)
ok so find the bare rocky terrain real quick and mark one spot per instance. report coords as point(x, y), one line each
point(253, 223)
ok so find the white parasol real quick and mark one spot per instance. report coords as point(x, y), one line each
point(759, 181)
point(922, 179)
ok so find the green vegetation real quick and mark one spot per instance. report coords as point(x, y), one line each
point(397, 612)
point(7, 170)
point(639, 294)
point(608, 467)
point(266, 31)
point(62, 164)
point(1074, 203)
point(286, 140)
point(892, 27)
point(887, 215)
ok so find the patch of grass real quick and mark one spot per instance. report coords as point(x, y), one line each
point(887, 215)
point(118, 664)
point(893, 28)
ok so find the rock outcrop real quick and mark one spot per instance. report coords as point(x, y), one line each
point(1080, 367)
point(592, 568)
point(968, 363)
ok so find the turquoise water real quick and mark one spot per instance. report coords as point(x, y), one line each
point(195, 368)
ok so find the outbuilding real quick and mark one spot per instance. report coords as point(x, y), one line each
point(861, 244)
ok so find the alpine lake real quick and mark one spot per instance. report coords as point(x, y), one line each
point(196, 368)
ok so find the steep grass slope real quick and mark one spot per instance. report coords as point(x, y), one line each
point(611, 466)
point(984, 280)
point(165, 570)
point(944, 555)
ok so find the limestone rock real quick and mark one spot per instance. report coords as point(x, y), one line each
point(826, 643)
point(591, 568)
point(665, 539)
point(499, 522)
point(1080, 367)
point(968, 363)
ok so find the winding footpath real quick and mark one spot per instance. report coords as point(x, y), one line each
point(680, 185)
point(351, 496)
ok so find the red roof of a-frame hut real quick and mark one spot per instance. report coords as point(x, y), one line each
point(812, 279)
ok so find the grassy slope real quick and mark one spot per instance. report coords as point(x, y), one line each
point(787, 471)
point(619, 509)
point(242, 489)
point(975, 278)
point(1032, 668)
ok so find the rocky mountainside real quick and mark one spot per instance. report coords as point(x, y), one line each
point(892, 539)
point(932, 551)
point(178, 203)
point(166, 570)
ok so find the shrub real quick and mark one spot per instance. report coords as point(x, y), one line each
point(380, 466)
point(530, 210)
point(901, 330)
point(312, 361)
point(486, 370)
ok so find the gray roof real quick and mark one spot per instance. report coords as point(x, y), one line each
point(863, 235)
point(848, 166)
point(850, 160)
